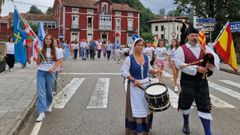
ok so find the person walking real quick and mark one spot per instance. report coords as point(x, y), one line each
point(99, 48)
point(194, 84)
point(76, 48)
point(9, 53)
point(136, 68)
point(83, 46)
point(92, 49)
point(161, 55)
point(47, 62)
point(109, 49)
point(171, 51)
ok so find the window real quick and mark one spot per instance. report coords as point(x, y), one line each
point(117, 13)
point(156, 28)
point(53, 25)
point(130, 24)
point(75, 10)
point(89, 11)
point(162, 28)
point(130, 14)
point(89, 22)
point(162, 36)
point(118, 23)
point(104, 8)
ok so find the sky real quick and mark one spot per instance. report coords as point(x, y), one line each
point(8, 6)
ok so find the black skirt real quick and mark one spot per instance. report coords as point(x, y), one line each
point(10, 60)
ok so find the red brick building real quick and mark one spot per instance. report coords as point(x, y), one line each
point(96, 19)
point(84, 19)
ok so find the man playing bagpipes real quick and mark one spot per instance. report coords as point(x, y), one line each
point(195, 62)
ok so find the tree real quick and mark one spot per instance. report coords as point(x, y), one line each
point(35, 10)
point(162, 12)
point(148, 36)
point(176, 12)
point(49, 11)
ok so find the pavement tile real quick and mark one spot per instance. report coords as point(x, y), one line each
point(7, 124)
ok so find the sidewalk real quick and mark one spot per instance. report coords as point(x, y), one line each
point(227, 68)
point(17, 97)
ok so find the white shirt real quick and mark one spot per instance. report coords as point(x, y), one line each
point(83, 44)
point(160, 53)
point(46, 65)
point(59, 55)
point(148, 51)
point(10, 48)
point(75, 46)
point(192, 70)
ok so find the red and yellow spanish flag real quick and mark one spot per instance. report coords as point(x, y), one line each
point(202, 38)
point(225, 48)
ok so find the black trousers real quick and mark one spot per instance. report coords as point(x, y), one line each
point(10, 60)
point(194, 89)
point(99, 54)
point(108, 54)
point(92, 54)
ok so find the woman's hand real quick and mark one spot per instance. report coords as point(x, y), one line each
point(136, 83)
point(51, 70)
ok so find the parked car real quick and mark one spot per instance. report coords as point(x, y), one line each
point(2, 63)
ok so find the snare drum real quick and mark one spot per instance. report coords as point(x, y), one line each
point(157, 97)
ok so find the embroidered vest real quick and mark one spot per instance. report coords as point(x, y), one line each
point(136, 70)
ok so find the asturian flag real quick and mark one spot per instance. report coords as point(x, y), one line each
point(19, 37)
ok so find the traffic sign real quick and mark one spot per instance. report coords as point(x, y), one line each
point(173, 34)
point(235, 26)
point(206, 20)
point(208, 28)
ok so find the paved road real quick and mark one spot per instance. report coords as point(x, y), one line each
point(97, 106)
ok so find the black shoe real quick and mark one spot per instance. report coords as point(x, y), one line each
point(186, 129)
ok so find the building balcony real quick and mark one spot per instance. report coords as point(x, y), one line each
point(130, 29)
point(105, 22)
point(75, 26)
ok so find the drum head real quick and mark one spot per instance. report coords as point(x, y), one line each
point(156, 89)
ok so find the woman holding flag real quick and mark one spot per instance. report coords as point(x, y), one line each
point(48, 60)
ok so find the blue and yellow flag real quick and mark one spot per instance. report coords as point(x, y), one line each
point(19, 37)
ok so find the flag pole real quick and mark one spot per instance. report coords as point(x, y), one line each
point(214, 43)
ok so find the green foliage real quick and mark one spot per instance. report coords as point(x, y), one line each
point(34, 27)
point(145, 13)
point(147, 36)
point(35, 10)
point(162, 12)
point(222, 10)
point(176, 12)
point(49, 11)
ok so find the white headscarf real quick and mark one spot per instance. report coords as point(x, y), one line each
point(133, 45)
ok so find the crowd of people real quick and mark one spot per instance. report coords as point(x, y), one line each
point(141, 59)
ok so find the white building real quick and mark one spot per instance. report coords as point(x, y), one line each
point(167, 27)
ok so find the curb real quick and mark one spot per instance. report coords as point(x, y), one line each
point(24, 117)
point(229, 71)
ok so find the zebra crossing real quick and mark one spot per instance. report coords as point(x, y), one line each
point(99, 96)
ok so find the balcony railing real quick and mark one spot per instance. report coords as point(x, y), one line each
point(105, 22)
point(75, 26)
point(130, 29)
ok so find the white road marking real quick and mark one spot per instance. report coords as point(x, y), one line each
point(220, 103)
point(224, 90)
point(173, 98)
point(91, 73)
point(36, 128)
point(99, 98)
point(60, 100)
point(231, 83)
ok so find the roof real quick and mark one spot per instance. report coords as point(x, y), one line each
point(92, 4)
point(167, 19)
point(35, 17)
point(4, 19)
point(123, 7)
point(79, 3)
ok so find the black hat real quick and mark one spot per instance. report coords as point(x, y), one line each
point(191, 29)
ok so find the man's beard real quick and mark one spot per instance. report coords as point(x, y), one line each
point(194, 42)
